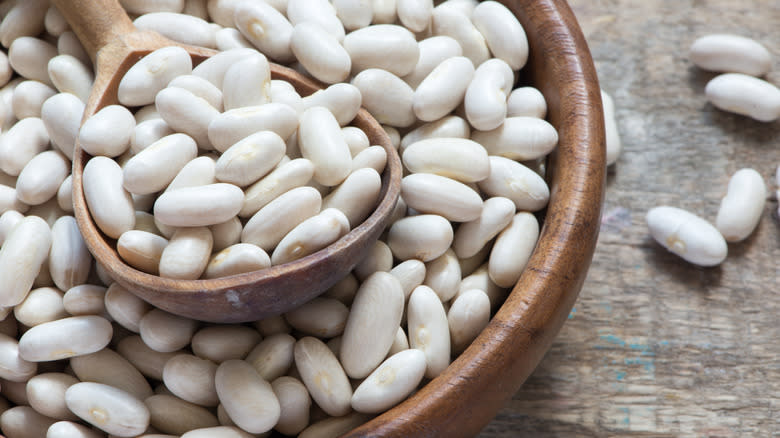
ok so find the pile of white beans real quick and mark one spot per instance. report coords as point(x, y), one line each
point(82, 357)
point(741, 91)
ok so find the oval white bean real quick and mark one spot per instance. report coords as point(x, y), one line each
point(166, 332)
point(248, 399)
point(471, 237)
point(184, 207)
point(124, 307)
point(467, 161)
point(383, 46)
point(61, 116)
point(428, 329)
point(467, 316)
point(70, 75)
point(226, 234)
point(320, 53)
point(378, 259)
point(107, 408)
point(202, 88)
point(85, 299)
point(221, 343)
point(141, 250)
point(429, 193)
point(503, 33)
point(321, 142)
point(69, 258)
point(486, 96)
point(8, 221)
point(442, 274)
point(30, 57)
point(107, 132)
point(323, 376)
point(148, 362)
point(69, 429)
point(237, 259)
point(433, 51)
point(391, 382)
point(250, 159)
point(109, 203)
point(12, 366)
point(187, 253)
point(247, 83)
point(182, 28)
point(28, 97)
point(186, 113)
point(410, 274)
point(687, 235)
point(46, 394)
point(343, 100)
point(354, 14)
point(742, 207)
point(512, 180)
point(273, 356)
point(443, 89)
point(233, 125)
point(387, 97)
point(320, 317)
point(526, 102)
point(64, 338)
point(415, 14)
point(356, 196)
point(108, 367)
point(519, 138)
point(294, 402)
point(744, 95)
point(192, 379)
point(282, 179)
point(311, 235)
point(731, 53)
point(40, 178)
point(199, 172)
point(266, 28)
point(24, 422)
point(320, 12)
point(455, 24)
point(151, 74)
point(22, 255)
point(20, 143)
point(271, 223)
point(512, 249)
point(174, 416)
point(614, 146)
point(422, 237)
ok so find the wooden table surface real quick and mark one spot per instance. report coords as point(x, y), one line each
point(655, 346)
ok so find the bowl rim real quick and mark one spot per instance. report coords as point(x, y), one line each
point(477, 384)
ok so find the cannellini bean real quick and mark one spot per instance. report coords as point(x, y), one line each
point(356, 139)
point(428, 329)
point(69, 429)
point(46, 394)
point(248, 399)
point(512, 180)
point(186, 113)
point(24, 422)
point(744, 95)
point(9, 201)
point(742, 207)
point(221, 343)
point(54, 22)
point(443, 89)
point(6, 72)
point(343, 100)
point(107, 408)
point(216, 432)
point(108, 367)
point(19, 144)
point(273, 356)
point(410, 274)
point(384, 12)
point(383, 46)
point(357, 196)
point(311, 235)
point(166, 332)
point(503, 33)
point(519, 138)
point(107, 132)
point(273, 222)
point(433, 51)
point(323, 376)
point(400, 342)
point(372, 324)
point(231, 126)
point(282, 179)
point(30, 58)
point(85, 299)
point(455, 24)
point(424, 237)
point(147, 361)
point(446, 127)
point(61, 115)
point(464, 6)
point(187, 253)
point(687, 235)
point(172, 415)
point(442, 274)
point(485, 99)
point(41, 177)
point(139, 7)
point(192, 379)
point(266, 28)
point(320, 53)
point(391, 382)
point(200, 87)
point(12, 366)
point(344, 290)
point(8, 221)
point(182, 28)
point(64, 338)
point(124, 307)
point(614, 146)
point(471, 237)
point(467, 316)
point(184, 207)
point(250, 159)
point(731, 53)
point(354, 14)
point(294, 402)
point(43, 304)
point(512, 249)
point(415, 14)
point(229, 38)
point(22, 255)
point(321, 317)
point(151, 74)
point(25, 18)
point(526, 102)
point(141, 250)
point(148, 132)
point(237, 259)
point(320, 12)
point(14, 392)
point(199, 172)
point(69, 259)
point(430, 193)
point(247, 83)
point(70, 75)
point(109, 203)
point(372, 157)
point(321, 142)
point(226, 233)
point(378, 259)
point(336, 426)
point(69, 44)
point(480, 279)
point(467, 161)
point(28, 98)
point(387, 97)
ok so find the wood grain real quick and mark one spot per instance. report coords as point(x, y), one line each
point(654, 346)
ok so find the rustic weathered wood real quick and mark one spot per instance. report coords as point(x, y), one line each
point(467, 395)
point(115, 45)
point(656, 347)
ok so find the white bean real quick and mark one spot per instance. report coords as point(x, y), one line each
point(64, 338)
point(343, 100)
point(107, 408)
point(294, 402)
point(107, 132)
point(742, 207)
point(186, 113)
point(184, 207)
point(247, 83)
point(467, 161)
point(442, 274)
point(12, 366)
point(356, 196)
point(422, 237)
point(468, 315)
point(321, 142)
point(109, 203)
point(30, 57)
point(216, 432)
point(226, 233)
point(383, 46)
point(172, 415)
point(69, 258)
point(273, 356)
point(187, 253)
point(512, 249)
point(344, 290)
point(41, 177)
point(9, 201)
point(141, 250)
point(231, 126)
point(471, 237)
point(8, 221)
point(614, 146)
point(429, 330)
point(19, 144)
point(108, 367)
point(24, 421)
point(687, 235)
point(28, 98)
point(271, 223)
point(124, 307)
point(214, 68)
point(147, 361)
point(199, 172)
point(182, 28)
point(744, 95)
point(378, 259)
point(455, 24)
point(69, 44)
point(311, 235)
point(151, 74)
point(320, 12)
point(225, 342)
point(443, 89)
point(512, 180)
point(320, 317)
point(237, 259)
point(430, 193)
point(85, 299)
point(229, 38)
point(248, 399)
point(46, 394)
point(526, 102)
point(266, 28)
point(503, 33)
point(433, 51)
point(386, 96)
point(485, 100)
point(154, 167)
point(70, 75)
point(519, 138)
point(69, 429)
point(282, 179)
point(391, 382)
point(323, 376)
point(192, 379)
point(61, 115)
point(22, 255)
point(415, 14)
point(354, 14)
point(372, 324)
point(731, 53)
point(250, 159)
point(320, 53)
point(410, 274)
point(166, 332)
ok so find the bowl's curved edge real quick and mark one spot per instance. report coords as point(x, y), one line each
point(470, 392)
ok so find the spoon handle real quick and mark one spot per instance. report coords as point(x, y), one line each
point(95, 22)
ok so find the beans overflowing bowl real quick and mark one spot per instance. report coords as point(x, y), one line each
point(345, 362)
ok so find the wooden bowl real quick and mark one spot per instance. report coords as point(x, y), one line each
point(463, 399)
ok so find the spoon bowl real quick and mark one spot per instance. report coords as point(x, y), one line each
point(114, 45)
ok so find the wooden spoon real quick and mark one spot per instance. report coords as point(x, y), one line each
point(114, 45)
